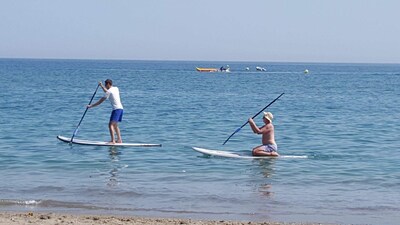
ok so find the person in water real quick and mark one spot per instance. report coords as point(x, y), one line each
point(268, 147)
point(112, 93)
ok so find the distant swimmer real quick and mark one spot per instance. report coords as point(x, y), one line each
point(269, 146)
point(306, 71)
point(112, 93)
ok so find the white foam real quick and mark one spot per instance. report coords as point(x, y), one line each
point(293, 156)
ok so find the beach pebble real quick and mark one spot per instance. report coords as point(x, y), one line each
point(44, 217)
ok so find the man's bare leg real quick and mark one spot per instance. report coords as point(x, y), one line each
point(259, 151)
point(111, 128)
point(118, 132)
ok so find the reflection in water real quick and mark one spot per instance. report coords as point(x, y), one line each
point(114, 156)
point(267, 170)
point(266, 166)
point(264, 189)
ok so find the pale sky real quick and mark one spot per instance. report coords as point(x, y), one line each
point(210, 30)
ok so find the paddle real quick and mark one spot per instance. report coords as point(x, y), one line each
point(237, 130)
point(77, 128)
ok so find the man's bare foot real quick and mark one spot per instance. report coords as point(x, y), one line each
point(119, 141)
point(111, 143)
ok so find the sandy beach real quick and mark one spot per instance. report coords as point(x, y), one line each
point(9, 218)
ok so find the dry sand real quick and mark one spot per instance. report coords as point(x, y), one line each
point(10, 218)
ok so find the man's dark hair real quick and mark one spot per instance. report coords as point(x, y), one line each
point(108, 81)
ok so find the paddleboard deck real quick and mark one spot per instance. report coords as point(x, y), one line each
point(229, 154)
point(103, 143)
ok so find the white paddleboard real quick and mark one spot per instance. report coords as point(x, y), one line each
point(228, 154)
point(103, 143)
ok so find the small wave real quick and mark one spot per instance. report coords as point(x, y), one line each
point(11, 202)
point(41, 189)
point(60, 205)
point(45, 204)
point(375, 208)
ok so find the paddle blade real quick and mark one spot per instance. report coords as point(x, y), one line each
point(76, 131)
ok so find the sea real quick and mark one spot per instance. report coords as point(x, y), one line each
point(343, 119)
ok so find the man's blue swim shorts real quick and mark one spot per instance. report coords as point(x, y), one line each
point(116, 115)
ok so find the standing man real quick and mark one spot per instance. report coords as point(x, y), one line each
point(268, 147)
point(112, 93)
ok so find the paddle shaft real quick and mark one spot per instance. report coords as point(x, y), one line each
point(237, 130)
point(83, 116)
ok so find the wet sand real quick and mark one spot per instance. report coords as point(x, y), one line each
point(9, 218)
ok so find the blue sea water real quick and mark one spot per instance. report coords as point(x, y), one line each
point(344, 117)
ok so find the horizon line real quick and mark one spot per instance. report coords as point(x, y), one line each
point(188, 60)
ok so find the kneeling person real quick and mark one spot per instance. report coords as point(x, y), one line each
point(268, 147)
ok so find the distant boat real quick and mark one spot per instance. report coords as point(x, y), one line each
point(260, 68)
point(225, 69)
point(206, 69)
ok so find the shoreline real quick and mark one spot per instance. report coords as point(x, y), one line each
point(43, 218)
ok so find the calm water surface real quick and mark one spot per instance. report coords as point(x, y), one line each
point(344, 117)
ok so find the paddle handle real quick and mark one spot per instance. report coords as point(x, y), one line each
point(237, 130)
point(83, 116)
point(265, 108)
